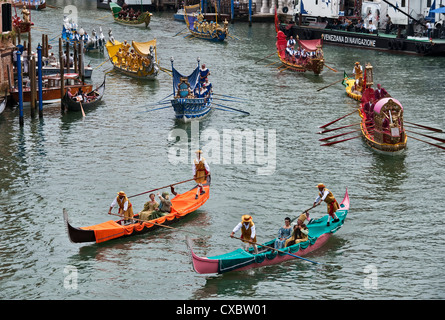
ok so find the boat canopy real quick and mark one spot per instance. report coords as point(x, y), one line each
point(143, 48)
point(190, 16)
point(378, 106)
point(113, 48)
point(310, 45)
point(192, 78)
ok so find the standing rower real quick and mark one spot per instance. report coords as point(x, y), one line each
point(125, 206)
point(325, 195)
point(200, 172)
point(248, 232)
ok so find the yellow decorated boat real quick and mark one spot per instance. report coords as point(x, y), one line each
point(350, 89)
point(138, 60)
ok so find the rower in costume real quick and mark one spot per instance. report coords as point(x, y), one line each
point(248, 232)
point(125, 206)
point(325, 195)
point(203, 74)
point(200, 171)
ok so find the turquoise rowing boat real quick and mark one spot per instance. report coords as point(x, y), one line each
point(319, 233)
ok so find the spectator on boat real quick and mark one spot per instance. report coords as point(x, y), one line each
point(371, 27)
point(203, 74)
point(25, 60)
point(207, 87)
point(388, 24)
point(248, 232)
point(380, 92)
point(14, 56)
point(70, 95)
point(299, 234)
point(71, 60)
point(429, 28)
point(283, 234)
point(125, 206)
point(359, 27)
point(326, 195)
point(149, 207)
point(52, 59)
point(165, 205)
point(200, 172)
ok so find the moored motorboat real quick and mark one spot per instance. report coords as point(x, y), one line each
point(3, 104)
point(182, 205)
point(237, 260)
point(51, 91)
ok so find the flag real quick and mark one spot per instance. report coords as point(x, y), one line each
point(345, 78)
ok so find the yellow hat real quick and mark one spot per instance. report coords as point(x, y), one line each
point(198, 151)
point(321, 185)
point(121, 193)
point(302, 217)
point(357, 62)
point(246, 218)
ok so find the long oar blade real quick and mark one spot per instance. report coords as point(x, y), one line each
point(425, 127)
point(433, 144)
point(425, 135)
point(338, 135)
point(223, 106)
point(329, 130)
point(328, 124)
point(334, 142)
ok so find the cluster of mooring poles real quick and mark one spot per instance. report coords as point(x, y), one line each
point(35, 72)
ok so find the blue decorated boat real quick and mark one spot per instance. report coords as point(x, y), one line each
point(319, 233)
point(200, 28)
point(192, 100)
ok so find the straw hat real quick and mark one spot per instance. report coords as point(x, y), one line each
point(121, 193)
point(321, 185)
point(198, 151)
point(246, 218)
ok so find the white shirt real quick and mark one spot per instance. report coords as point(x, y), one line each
point(325, 194)
point(205, 165)
point(114, 203)
point(246, 224)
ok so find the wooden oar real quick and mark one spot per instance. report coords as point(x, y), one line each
point(425, 135)
point(173, 184)
point(328, 124)
point(334, 142)
point(330, 85)
point(265, 57)
point(433, 144)
point(338, 135)
point(330, 67)
point(221, 105)
point(329, 130)
point(81, 109)
point(425, 127)
point(186, 28)
point(154, 223)
point(271, 248)
point(154, 109)
point(223, 95)
point(292, 220)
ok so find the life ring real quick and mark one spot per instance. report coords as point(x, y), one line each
point(285, 9)
point(390, 45)
point(400, 45)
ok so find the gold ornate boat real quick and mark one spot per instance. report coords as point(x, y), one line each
point(138, 60)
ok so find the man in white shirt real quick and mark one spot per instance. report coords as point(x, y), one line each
point(248, 233)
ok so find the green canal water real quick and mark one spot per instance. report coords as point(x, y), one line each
point(390, 247)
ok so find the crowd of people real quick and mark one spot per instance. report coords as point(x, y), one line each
point(128, 14)
point(300, 55)
point(289, 234)
point(153, 209)
point(127, 58)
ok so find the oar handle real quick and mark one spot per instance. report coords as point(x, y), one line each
point(173, 184)
point(292, 220)
point(156, 224)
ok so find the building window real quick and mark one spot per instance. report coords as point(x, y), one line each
point(6, 17)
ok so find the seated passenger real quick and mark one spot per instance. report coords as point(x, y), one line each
point(164, 207)
point(149, 207)
point(283, 234)
point(300, 232)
